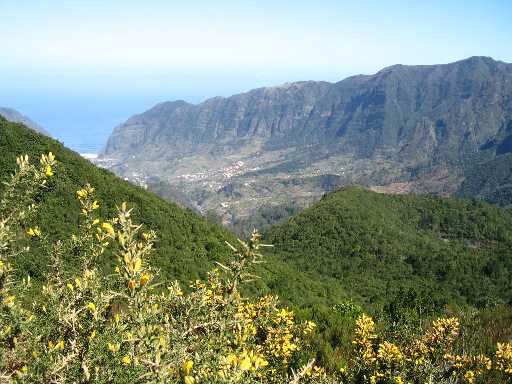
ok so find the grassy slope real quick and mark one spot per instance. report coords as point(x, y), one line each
point(374, 245)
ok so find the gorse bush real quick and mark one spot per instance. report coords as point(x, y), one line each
point(129, 326)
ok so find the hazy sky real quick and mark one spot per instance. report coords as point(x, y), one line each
point(131, 54)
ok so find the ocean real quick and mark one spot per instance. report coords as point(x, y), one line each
point(81, 112)
point(82, 123)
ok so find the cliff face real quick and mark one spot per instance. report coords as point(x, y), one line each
point(403, 124)
point(407, 110)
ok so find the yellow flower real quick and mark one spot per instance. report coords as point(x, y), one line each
point(108, 228)
point(144, 279)
point(126, 360)
point(309, 327)
point(9, 300)
point(34, 232)
point(70, 286)
point(22, 372)
point(245, 364)
point(504, 357)
point(376, 378)
point(137, 265)
point(389, 352)
point(91, 307)
point(88, 274)
point(113, 347)
point(82, 193)
point(259, 362)
point(49, 171)
point(187, 367)
point(95, 205)
point(232, 360)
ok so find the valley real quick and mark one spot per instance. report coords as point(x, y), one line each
point(406, 129)
point(230, 192)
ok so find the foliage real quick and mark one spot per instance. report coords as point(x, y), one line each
point(187, 245)
point(129, 325)
point(124, 326)
point(264, 217)
point(379, 247)
point(186, 242)
point(404, 260)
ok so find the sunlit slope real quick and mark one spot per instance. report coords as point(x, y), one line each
point(187, 245)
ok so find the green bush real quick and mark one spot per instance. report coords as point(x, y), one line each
point(129, 325)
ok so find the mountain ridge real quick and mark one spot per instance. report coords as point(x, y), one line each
point(403, 124)
point(14, 116)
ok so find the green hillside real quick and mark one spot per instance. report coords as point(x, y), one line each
point(187, 244)
point(352, 244)
point(490, 180)
point(404, 259)
point(376, 246)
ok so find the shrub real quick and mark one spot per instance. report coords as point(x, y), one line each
point(128, 326)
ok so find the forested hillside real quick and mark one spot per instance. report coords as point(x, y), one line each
point(353, 244)
point(187, 244)
point(374, 245)
point(404, 259)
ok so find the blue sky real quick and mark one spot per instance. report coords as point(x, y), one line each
point(123, 56)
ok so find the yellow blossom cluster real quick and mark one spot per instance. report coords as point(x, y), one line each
point(389, 353)
point(468, 368)
point(504, 357)
point(364, 337)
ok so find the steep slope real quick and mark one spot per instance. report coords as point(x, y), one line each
point(375, 245)
point(404, 129)
point(16, 117)
point(187, 243)
point(457, 106)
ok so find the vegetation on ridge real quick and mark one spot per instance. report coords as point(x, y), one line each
point(186, 241)
point(455, 251)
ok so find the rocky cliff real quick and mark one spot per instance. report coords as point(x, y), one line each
point(403, 129)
